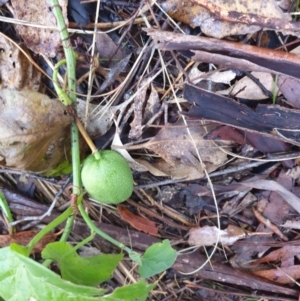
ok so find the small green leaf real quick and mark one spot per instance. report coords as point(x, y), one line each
point(89, 271)
point(63, 168)
point(157, 258)
point(133, 292)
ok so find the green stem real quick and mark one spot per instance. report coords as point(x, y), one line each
point(93, 228)
point(56, 222)
point(69, 53)
point(7, 213)
point(59, 91)
point(64, 237)
point(82, 243)
point(274, 89)
point(71, 65)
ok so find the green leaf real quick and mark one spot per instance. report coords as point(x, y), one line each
point(21, 278)
point(63, 168)
point(90, 271)
point(136, 257)
point(20, 249)
point(5, 208)
point(157, 258)
point(133, 292)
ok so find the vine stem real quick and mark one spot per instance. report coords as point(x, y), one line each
point(132, 254)
point(68, 100)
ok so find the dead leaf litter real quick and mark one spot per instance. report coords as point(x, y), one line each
point(183, 90)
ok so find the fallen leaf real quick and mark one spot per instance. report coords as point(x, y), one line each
point(259, 13)
point(226, 134)
point(117, 145)
point(266, 222)
point(248, 89)
point(276, 200)
point(153, 168)
point(178, 171)
point(16, 72)
point(224, 77)
point(107, 48)
point(288, 196)
point(239, 203)
point(24, 237)
point(211, 23)
point(98, 119)
point(282, 275)
point(208, 236)
point(290, 88)
point(40, 40)
point(33, 130)
point(174, 145)
point(113, 73)
point(282, 254)
point(153, 106)
point(138, 222)
point(138, 107)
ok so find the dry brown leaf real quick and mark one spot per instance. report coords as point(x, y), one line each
point(251, 13)
point(33, 130)
point(288, 196)
point(208, 236)
point(138, 106)
point(113, 75)
point(153, 168)
point(107, 48)
point(152, 106)
point(23, 238)
point(282, 254)
point(144, 108)
point(174, 145)
point(282, 275)
point(248, 89)
point(99, 118)
point(39, 40)
point(224, 77)
point(290, 88)
point(16, 72)
point(177, 171)
point(138, 222)
point(268, 224)
point(236, 205)
point(195, 15)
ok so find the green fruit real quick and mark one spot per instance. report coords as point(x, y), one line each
point(107, 177)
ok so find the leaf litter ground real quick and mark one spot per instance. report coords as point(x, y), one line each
point(179, 107)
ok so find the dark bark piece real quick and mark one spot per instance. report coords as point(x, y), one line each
point(225, 61)
point(279, 61)
point(269, 120)
point(81, 12)
point(217, 271)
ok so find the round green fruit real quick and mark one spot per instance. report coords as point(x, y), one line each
point(107, 177)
